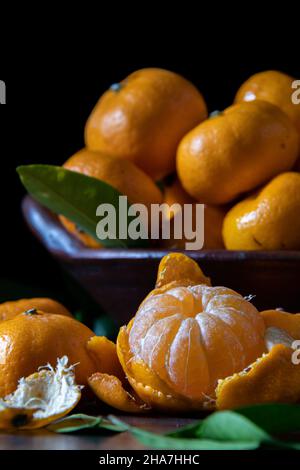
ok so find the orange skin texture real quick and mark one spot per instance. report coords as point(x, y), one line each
point(276, 88)
point(29, 341)
point(272, 86)
point(269, 220)
point(144, 119)
point(123, 175)
point(272, 379)
point(241, 148)
point(11, 309)
point(213, 219)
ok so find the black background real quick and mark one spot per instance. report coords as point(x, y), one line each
point(53, 84)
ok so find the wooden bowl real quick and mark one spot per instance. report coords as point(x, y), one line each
point(119, 279)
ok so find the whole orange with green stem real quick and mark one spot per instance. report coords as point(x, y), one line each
point(143, 118)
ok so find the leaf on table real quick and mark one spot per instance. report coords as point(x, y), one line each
point(76, 422)
point(159, 441)
point(252, 424)
point(223, 430)
point(79, 422)
point(230, 426)
point(274, 418)
point(76, 196)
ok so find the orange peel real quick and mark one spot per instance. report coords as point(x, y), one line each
point(273, 378)
point(41, 398)
point(179, 267)
point(104, 353)
point(110, 390)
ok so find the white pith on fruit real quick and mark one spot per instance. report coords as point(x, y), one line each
point(43, 396)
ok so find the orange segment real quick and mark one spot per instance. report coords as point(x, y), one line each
point(232, 358)
point(187, 363)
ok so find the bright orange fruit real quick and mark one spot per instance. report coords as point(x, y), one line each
point(232, 153)
point(13, 308)
point(143, 118)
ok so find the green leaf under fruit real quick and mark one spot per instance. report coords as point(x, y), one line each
point(158, 441)
point(74, 423)
point(274, 418)
point(81, 422)
point(243, 429)
point(76, 196)
point(230, 426)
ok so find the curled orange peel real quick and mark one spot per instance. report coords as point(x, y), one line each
point(273, 378)
point(179, 267)
point(104, 353)
point(110, 390)
point(40, 398)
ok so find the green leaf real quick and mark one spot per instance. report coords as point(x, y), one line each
point(274, 418)
point(76, 422)
point(230, 426)
point(224, 430)
point(79, 422)
point(74, 195)
point(233, 426)
point(158, 441)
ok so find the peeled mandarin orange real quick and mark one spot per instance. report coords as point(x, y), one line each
point(193, 346)
point(143, 118)
point(185, 336)
point(180, 334)
point(241, 148)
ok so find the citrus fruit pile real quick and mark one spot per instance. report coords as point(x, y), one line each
point(241, 163)
point(190, 346)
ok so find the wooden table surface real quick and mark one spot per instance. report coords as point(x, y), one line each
point(46, 440)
